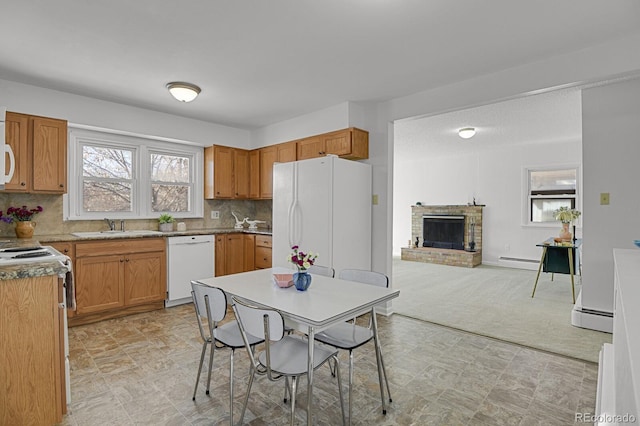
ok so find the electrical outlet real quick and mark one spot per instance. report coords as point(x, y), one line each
point(604, 198)
point(215, 214)
point(374, 199)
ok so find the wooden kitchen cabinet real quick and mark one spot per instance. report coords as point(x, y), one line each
point(226, 172)
point(263, 251)
point(351, 143)
point(40, 148)
point(281, 153)
point(32, 351)
point(254, 174)
point(118, 277)
point(234, 253)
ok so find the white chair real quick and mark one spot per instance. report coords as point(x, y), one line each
point(349, 336)
point(322, 270)
point(211, 304)
point(284, 356)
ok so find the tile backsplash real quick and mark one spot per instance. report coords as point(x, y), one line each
point(50, 222)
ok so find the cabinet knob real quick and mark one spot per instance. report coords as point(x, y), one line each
point(23, 184)
point(61, 185)
point(121, 260)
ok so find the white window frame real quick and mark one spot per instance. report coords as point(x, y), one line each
point(142, 146)
point(527, 197)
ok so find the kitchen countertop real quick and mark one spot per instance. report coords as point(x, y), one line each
point(43, 239)
point(44, 268)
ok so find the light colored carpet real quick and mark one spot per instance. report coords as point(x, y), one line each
point(496, 302)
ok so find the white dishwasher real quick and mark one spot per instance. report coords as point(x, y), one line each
point(188, 258)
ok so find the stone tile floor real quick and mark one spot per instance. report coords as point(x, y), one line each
point(141, 370)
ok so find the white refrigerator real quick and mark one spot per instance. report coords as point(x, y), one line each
point(323, 205)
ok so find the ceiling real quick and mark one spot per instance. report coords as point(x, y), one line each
point(260, 62)
point(550, 117)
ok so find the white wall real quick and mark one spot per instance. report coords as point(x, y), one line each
point(611, 154)
point(109, 115)
point(494, 176)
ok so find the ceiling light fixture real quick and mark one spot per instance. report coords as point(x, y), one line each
point(184, 92)
point(467, 132)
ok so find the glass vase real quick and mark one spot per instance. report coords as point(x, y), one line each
point(302, 279)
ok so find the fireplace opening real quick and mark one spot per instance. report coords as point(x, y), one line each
point(443, 231)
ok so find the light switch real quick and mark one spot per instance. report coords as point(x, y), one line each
point(604, 198)
point(375, 199)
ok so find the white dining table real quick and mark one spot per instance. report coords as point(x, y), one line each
point(327, 302)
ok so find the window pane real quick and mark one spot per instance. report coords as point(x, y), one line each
point(553, 181)
point(106, 196)
point(170, 198)
point(169, 168)
point(106, 162)
point(542, 209)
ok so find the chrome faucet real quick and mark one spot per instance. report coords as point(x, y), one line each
point(111, 223)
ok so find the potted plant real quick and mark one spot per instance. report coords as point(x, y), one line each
point(566, 216)
point(23, 218)
point(165, 222)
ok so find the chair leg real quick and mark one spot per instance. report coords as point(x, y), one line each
point(231, 387)
point(380, 363)
point(294, 386)
point(204, 349)
point(246, 397)
point(337, 367)
point(286, 388)
point(213, 349)
point(384, 373)
point(331, 368)
point(350, 384)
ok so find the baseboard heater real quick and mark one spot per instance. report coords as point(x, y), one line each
point(594, 312)
point(517, 259)
point(517, 262)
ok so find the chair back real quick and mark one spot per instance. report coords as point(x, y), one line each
point(264, 324)
point(322, 270)
point(261, 323)
point(366, 277)
point(209, 303)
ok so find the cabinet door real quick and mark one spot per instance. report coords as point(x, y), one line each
point(263, 257)
point(287, 152)
point(241, 173)
point(223, 172)
point(268, 156)
point(248, 252)
point(99, 283)
point(145, 278)
point(49, 155)
point(254, 173)
point(221, 255)
point(338, 143)
point(310, 148)
point(16, 134)
point(234, 256)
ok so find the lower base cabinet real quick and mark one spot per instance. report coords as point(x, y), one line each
point(235, 253)
point(31, 352)
point(119, 277)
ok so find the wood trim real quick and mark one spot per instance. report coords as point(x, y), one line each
point(116, 313)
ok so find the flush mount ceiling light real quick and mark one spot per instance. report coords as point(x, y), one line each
point(467, 132)
point(184, 92)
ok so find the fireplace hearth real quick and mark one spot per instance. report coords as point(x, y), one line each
point(450, 234)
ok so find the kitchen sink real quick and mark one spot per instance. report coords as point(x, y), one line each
point(132, 233)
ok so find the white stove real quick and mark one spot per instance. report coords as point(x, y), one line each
point(30, 254)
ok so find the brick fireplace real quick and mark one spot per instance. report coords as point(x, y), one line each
point(445, 244)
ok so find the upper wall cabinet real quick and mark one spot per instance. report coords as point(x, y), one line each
point(40, 148)
point(226, 172)
point(280, 153)
point(351, 143)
